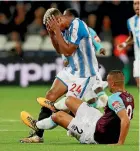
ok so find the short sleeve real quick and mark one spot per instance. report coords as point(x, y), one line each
point(78, 30)
point(95, 42)
point(128, 25)
point(63, 57)
point(115, 103)
point(92, 32)
point(75, 35)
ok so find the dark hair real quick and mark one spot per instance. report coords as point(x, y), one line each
point(72, 12)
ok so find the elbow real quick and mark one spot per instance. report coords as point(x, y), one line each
point(67, 54)
point(126, 122)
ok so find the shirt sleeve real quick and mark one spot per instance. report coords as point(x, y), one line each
point(78, 30)
point(94, 36)
point(128, 25)
point(115, 103)
point(75, 35)
point(64, 58)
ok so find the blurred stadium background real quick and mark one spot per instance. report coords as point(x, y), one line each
point(21, 28)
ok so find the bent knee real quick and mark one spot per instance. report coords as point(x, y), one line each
point(69, 100)
point(57, 116)
point(51, 95)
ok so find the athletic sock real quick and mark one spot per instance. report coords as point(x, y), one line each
point(61, 105)
point(46, 123)
point(44, 113)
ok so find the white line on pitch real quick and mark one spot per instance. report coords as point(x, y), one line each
point(6, 130)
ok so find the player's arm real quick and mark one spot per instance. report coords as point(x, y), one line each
point(96, 42)
point(53, 39)
point(116, 104)
point(65, 61)
point(64, 48)
point(125, 122)
point(129, 41)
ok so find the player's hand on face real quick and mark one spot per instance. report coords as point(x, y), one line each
point(103, 51)
point(51, 32)
point(53, 24)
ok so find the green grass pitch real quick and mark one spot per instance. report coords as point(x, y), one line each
point(13, 100)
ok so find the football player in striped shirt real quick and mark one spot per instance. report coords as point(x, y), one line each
point(133, 25)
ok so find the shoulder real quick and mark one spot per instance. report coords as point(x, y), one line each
point(115, 96)
point(115, 102)
point(80, 27)
point(75, 21)
point(80, 23)
point(132, 19)
point(92, 32)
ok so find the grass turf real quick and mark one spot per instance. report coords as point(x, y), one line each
point(15, 99)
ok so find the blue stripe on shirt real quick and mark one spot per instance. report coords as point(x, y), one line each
point(89, 57)
point(81, 63)
point(70, 58)
point(128, 25)
point(136, 23)
point(85, 87)
point(71, 63)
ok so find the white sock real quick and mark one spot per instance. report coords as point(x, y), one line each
point(46, 123)
point(102, 99)
point(60, 105)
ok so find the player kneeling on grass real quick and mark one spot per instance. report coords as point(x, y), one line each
point(91, 126)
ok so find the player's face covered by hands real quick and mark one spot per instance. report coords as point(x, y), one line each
point(52, 24)
point(55, 24)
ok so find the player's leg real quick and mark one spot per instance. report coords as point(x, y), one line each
point(48, 123)
point(136, 72)
point(137, 81)
point(57, 90)
point(73, 104)
point(62, 118)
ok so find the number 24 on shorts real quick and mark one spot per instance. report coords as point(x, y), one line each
point(76, 88)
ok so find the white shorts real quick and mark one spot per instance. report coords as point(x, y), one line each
point(136, 68)
point(82, 127)
point(77, 87)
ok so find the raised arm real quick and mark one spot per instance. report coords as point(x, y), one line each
point(53, 38)
point(129, 41)
point(97, 42)
point(64, 48)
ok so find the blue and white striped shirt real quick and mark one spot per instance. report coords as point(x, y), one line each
point(83, 62)
point(133, 25)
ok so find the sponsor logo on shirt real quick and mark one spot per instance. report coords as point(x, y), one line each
point(116, 105)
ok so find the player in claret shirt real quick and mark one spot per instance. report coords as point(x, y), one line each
point(89, 125)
